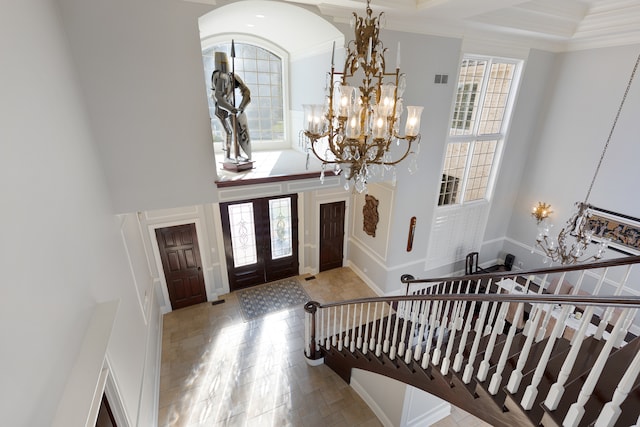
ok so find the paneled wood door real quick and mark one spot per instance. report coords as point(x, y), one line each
point(331, 235)
point(180, 256)
point(260, 239)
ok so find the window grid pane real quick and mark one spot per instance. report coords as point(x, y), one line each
point(496, 97)
point(468, 97)
point(243, 237)
point(479, 111)
point(280, 219)
point(480, 170)
point(453, 172)
point(261, 70)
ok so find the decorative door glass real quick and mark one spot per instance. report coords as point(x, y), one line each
point(280, 220)
point(243, 236)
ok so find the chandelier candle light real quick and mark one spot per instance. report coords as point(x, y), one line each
point(358, 124)
point(573, 240)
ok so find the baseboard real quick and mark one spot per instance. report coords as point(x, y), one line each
point(382, 417)
point(366, 279)
point(156, 407)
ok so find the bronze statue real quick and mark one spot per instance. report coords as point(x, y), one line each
point(233, 119)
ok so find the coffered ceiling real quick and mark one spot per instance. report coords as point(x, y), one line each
point(556, 25)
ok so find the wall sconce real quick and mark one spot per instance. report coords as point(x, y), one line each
point(541, 211)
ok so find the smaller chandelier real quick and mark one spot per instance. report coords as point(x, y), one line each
point(359, 123)
point(572, 244)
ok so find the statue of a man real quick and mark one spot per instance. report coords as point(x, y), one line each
point(223, 84)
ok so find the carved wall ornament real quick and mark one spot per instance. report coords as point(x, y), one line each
point(370, 215)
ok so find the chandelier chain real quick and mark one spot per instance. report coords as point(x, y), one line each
point(615, 121)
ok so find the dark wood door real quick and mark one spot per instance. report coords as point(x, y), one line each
point(331, 235)
point(180, 256)
point(105, 416)
point(260, 239)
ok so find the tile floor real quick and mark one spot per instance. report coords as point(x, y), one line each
point(218, 370)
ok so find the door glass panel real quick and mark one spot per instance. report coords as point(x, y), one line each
point(243, 236)
point(280, 220)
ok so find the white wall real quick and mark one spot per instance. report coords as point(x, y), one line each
point(140, 69)
point(63, 251)
point(579, 112)
point(397, 404)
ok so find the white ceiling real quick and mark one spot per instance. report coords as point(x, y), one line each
point(556, 25)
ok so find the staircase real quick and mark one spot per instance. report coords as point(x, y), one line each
point(511, 349)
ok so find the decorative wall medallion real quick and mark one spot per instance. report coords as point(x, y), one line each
point(370, 215)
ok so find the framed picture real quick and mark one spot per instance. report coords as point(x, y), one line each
point(623, 230)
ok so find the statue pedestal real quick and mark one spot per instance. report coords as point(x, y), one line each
point(237, 166)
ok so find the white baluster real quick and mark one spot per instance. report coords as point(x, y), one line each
point(432, 327)
point(414, 318)
point(442, 331)
point(468, 370)
point(453, 328)
point(334, 336)
point(417, 351)
point(347, 330)
point(359, 340)
point(490, 320)
point(340, 331)
point(307, 334)
point(576, 410)
point(557, 389)
point(372, 333)
point(379, 338)
point(393, 350)
point(531, 391)
point(352, 346)
point(516, 376)
point(457, 361)
point(385, 345)
point(403, 336)
point(611, 411)
point(606, 318)
point(365, 342)
point(483, 369)
point(496, 378)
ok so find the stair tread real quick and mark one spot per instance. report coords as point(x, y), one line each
point(558, 354)
point(629, 415)
point(614, 369)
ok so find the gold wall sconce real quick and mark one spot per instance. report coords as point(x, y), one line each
point(541, 211)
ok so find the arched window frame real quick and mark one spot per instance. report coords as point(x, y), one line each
point(286, 142)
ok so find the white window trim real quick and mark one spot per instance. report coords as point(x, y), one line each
point(286, 142)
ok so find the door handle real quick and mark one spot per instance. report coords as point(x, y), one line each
point(199, 268)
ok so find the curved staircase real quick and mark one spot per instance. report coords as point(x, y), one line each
point(501, 346)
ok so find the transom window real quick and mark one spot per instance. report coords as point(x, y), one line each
point(261, 70)
point(478, 126)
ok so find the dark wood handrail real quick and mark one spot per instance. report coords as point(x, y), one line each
point(594, 300)
point(504, 274)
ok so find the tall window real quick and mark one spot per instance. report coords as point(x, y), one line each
point(478, 126)
point(261, 70)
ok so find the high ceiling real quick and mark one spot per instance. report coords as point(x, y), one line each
point(556, 25)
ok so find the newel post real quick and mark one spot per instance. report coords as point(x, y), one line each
point(310, 329)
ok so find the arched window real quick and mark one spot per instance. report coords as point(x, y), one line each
point(262, 71)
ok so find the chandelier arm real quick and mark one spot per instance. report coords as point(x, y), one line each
point(407, 152)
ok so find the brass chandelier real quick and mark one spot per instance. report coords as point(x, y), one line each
point(572, 242)
point(359, 123)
